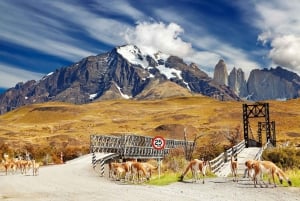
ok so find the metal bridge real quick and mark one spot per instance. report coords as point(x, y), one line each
point(127, 146)
point(135, 146)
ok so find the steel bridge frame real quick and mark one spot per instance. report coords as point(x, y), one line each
point(258, 110)
point(265, 126)
point(135, 146)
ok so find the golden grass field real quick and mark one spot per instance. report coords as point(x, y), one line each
point(57, 126)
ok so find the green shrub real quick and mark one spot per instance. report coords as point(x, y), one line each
point(175, 161)
point(286, 158)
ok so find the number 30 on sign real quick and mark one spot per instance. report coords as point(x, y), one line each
point(158, 142)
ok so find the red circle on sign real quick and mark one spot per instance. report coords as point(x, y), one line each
point(158, 142)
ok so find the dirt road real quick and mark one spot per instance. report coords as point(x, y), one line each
point(76, 181)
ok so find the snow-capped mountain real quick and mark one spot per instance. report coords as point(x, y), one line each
point(124, 72)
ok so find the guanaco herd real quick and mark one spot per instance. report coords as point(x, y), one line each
point(131, 171)
point(15, 165)
point(255, 170)
point(136, 172)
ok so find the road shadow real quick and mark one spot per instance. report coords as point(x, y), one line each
point(188, 182)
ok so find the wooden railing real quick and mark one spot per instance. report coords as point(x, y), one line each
point(258, 155)
point(218, 162)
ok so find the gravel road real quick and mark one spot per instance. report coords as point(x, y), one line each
point(77, 181)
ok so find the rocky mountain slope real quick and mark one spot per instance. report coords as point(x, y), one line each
point(123, 73)
point(262, 84)
point(275, 83)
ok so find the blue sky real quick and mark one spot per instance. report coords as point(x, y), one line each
point(37, 37)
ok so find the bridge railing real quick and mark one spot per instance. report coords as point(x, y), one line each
point(217, 163)
point(258, 155)
point(143, 152)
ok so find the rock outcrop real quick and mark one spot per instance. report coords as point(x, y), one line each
point(237, 82)
point(273, 84)
point(221, 73)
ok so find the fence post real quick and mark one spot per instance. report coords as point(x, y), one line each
point(225, 156)
point(101, 167)
point(94, 159)
point(61, 157)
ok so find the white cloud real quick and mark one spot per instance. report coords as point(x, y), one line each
point(285, 51)
point(279, 22)
point(154, 37)
point(10, 75)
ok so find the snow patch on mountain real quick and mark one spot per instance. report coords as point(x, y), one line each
point(45, 77)
point(169, 72)
point(125, 96)
point(93, 96)
point(135, 56)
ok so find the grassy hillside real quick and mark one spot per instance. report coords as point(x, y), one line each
point(62, 127)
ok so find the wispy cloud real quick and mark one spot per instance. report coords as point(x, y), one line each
point(38, 31)
point(123, 8)
point(46, 30)
point(100, 28)
point(10, 75)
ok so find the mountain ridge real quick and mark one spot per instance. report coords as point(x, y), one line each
point(126, 72)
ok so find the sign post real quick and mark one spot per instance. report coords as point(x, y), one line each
point(158, 143)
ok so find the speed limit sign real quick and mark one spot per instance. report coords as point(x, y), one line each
point(158, 142)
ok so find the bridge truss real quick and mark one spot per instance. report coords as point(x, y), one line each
point(135, 146)
point(131, 146)
point(258, 110)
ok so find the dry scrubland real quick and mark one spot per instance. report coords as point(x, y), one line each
point(61, 127)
